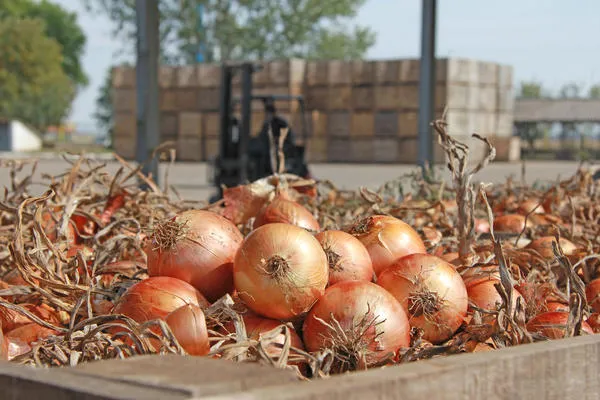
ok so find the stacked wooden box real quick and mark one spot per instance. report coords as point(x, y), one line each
point(358, 111)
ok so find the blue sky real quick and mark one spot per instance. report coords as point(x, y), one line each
point(554, 41)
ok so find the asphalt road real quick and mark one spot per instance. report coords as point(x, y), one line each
point(191, 179)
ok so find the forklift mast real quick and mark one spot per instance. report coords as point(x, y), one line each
point(238, 161)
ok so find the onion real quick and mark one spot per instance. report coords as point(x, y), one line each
point(286, 211)
point(543, 246)
point(479, 273)
point(20, 339)
point(3, 347)
point(482, 225)
point(529, 205)
point(280, 271)
point(155, 298)
point(510, 223)
point(387, 239)
point(256, 326)
point(360, 321)
point(348, 259)
point(553, 324)
point(188, 324)
point(594, 322)
point(592, 293)
point(556, 306)
point(431, 292)
point(197, 247)
point(51, 227)
point(484, 295)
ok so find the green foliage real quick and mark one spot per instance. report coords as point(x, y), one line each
point(594, 92)
point(33, 85)
point(571, 90)
point(530, 90)
point(250, 29)
point(60, 25)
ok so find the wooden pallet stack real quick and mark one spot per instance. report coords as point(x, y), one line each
point(357, 111)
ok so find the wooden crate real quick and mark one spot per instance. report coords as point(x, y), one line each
point(504, 124)
point(408, 123)
point(339, 98)
point(209, 75)
point(338, 149)
point(123, 77)
point(487, 98)
point(167, 77)
point(385, 150)
point(211, 124)
point(317, 73)
point(188, 99)
point(317, 98)
point(505, 76)
point(124, 100)
point(209, 99)
point(189, 149)
point(338, 124)
point(125, 146)
point(487, 73)
point(168, 124)
point(125, 124)
point(339, 73)
point(190, 124)
point(387, 97)
point(508, 149)
point(408, 150)
point(462, 71)
point(363, 98)
point(409, 71)
point(285, 72)
point(506, 100)
point(457, 96)
point(316, 150)
point(387, 72)
point(363, 72)
point(409, 97)
point(168, 100)
point(318, 126)
point(362, 124)
point(211, 148)
point(361, 150)
point(187, 76)
point(386, 124)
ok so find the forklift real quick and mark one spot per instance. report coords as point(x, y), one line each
point(243, 158)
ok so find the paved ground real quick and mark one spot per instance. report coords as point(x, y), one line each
point(191, 179)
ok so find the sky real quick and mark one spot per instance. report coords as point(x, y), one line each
point(552, 41)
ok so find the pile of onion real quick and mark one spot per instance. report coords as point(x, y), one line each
point(387, 239)
point(484, 295)
point(510, 223)
point(543, 246)
point(283, 210)
point(280, 271)
point(197, 247)
point(431, 291)
point(347, 257)
point(361, 322)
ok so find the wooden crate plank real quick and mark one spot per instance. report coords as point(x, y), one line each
point(124, 100)
point(211, 124)
point(190, 124)
point(211, 148)
point(409, 97)
point(168, 124)
point(386, 124)
point(168, 100)
point(123, 77)
point(338, 124)
point(362, 124)
point(187, 76)
point(385, 150)
point(188, 100)
point(189, 148)
point(317, 73)
point(339, 98)
point(317, 98)
point(463, 71)
point(339, 72)
point(363, 97)
point(316, 149)
point(318, 123)
point(338, 149)
point(408, 123)
point(125, 124)
point(361, 150)
point(125, 146)
point(209, 75)
point(487, 73)
point(208, 99)
point(387, 71)
point(387, 97)
point(409, 71)
point(167, 77)
point(363, 72)
point(505, 76)
point(488, 98)
point(457, 96)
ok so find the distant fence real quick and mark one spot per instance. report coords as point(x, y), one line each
point(358, 111)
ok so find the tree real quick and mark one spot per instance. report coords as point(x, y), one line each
point(60, 25)
point(33, 86)
point(594, 92)
point(249, 29)
point(104, 105)
point(571, 90)
point(530, 90)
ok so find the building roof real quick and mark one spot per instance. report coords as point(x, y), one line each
point(555, 110)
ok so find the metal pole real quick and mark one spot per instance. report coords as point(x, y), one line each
point(146, 69)
point(246, 106)
point(427, 83)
